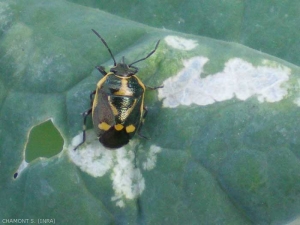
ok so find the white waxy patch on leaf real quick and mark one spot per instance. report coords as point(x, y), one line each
point(96, 160)
point(297, 99)
point(296, 221)
point(180, 43)
point(151, 158)
point(239, 79)
point(127, 180)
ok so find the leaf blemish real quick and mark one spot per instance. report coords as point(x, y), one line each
point(94, 159)
point(180, 43)
point(127, 179)
point(151, 158)
point(297, 99)
point(239, 79)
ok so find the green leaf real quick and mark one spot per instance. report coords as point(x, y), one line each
point(270, 26)
point(223, 130)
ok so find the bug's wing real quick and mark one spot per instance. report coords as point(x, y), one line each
point(127, 114)
point(113, 138)
point(102, 111)
point(124, 114)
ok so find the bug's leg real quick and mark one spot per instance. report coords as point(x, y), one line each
point(85, 115)
point(154, 88)
point(143, 119)
point(101, 70)
point(92, 96)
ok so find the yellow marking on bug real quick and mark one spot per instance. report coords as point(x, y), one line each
point(119, 127)
point(130, 128)
point(124, 89)
point(143, 86)
point(140, 82)
point(113, 108)
point(122, 77)
point(95, 102)
point(94, 106)
point(104, 126)
point(101, 81)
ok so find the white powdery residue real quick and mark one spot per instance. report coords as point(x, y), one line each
point(127, 180)
point(296, 221)
point(94, 159)
point(239, 78)
point(297, 98)
point(180, 43)
point(179, 89)
point(297, 101)
point(151, 158)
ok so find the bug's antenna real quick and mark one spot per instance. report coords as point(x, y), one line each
point(147, 55)
point(103, 41)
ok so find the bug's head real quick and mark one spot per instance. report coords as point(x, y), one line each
point(123, 69)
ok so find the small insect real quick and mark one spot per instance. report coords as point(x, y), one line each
point(117, 104)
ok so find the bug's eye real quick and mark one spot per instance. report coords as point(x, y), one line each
point(133, 70)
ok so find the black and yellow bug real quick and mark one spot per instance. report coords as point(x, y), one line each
point(117, 104)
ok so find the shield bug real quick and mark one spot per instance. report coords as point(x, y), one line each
point(117, 104)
